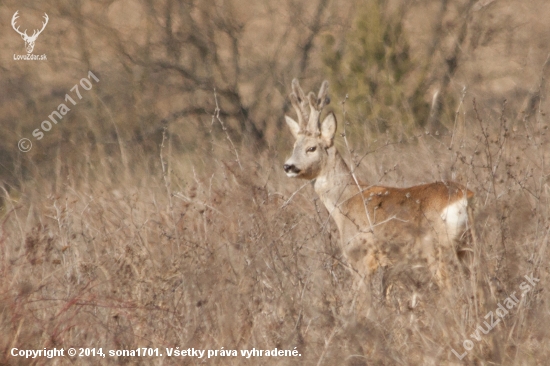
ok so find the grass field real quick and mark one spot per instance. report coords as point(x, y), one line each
point(156, 214)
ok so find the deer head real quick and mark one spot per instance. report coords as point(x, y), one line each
point(313, 139)
point(29, 40)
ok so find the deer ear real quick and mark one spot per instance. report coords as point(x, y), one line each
point(328, 129)
point(293, 125)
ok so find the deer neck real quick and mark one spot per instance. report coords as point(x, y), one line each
point(335, 186)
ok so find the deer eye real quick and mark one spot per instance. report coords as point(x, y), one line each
point(311, 149)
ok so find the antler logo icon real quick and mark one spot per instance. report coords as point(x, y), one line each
point(29, 40)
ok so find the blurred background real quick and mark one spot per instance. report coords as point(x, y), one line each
point(119, 226)
point(401, 64)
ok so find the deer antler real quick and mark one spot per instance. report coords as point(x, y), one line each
point(13, 19)
point(43, 24)
point(323, 98)
point(316, 105)
point(299, 102)
point(35, 34)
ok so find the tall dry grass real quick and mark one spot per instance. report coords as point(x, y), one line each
point(157, 214)
point(220, 250)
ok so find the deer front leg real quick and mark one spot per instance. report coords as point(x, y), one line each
point(369, 263)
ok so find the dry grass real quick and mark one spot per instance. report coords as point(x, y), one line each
point(158, 215)
point(226, 253)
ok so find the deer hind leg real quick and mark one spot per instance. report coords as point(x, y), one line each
point(467, 242)
point(434, 250)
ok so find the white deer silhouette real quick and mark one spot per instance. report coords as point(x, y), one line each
point(29, 40)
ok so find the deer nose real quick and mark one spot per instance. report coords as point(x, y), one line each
point(290, 168)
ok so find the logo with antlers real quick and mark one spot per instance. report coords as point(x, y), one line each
point(29, 40)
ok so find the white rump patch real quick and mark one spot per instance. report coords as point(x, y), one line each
point(456, 217)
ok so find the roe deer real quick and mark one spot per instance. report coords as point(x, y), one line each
point(378, 225)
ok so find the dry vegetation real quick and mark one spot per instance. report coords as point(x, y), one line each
point(156, 213)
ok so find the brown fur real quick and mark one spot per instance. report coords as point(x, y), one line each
point(379, 226)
